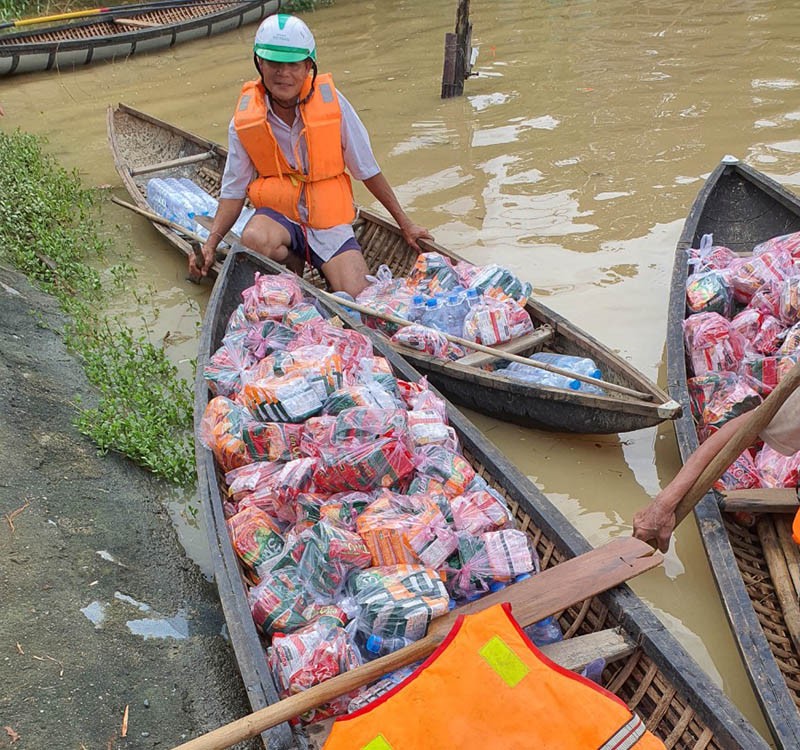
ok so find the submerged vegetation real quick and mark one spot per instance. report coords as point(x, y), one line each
point(48, 230)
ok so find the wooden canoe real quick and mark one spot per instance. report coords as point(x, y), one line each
point(145, 147)
point(656, 678)
point(742, 207)
point(120, 34)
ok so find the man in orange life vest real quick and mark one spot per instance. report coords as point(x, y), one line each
point(291, 139)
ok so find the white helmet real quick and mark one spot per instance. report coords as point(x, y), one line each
point(284, 38)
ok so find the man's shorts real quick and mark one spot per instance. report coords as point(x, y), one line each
point(297, 244)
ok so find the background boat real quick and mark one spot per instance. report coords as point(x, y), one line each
point(120, 34)
point(742, 207)
point(145, 147)
point(656, 679)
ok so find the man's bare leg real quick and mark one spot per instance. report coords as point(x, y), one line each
point(267, 237)
point(347, 272)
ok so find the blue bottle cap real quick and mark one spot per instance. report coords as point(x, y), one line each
point(473, 597)
point(451, 604)
point(373, 644)
point(418, 299)
point(496, 586)
point(453, 299)
point(522, 577)
point(432, 302)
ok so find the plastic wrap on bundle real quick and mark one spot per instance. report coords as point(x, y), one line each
point(427, 427)
point(431, 538)
point(788, 243)
point(487, 324)
point(275, 441)
point(768, 371)
point(451, 469)
point(281, 399)
point(255, 536)
point(276, 495)
point(749, 274)
point(742, 474)
point(709, 256)
point(281, 603)
point(340, 509)
point(418, 397)
point(238, 321)
point(353, 347)
point(760, 332)
point(717, 398)
point(293, 548)
point(362, 424)
point(712, 344)
point(496, 281)
point(250, 478)
point(268, 336)
point(789, 301)
point(480, 511)
point(777, 470)
point(330, 553)
point(489, 557)
point(428, 340)
point(271, 296)
point(381, 687)
point(301, 315)
point(383, 528)
point(381, 463)
point(399, 600)
point(320, 365)
point(221, 431)
point(381, 286)
point(432, 274)
point(791, 342)
point(710, 291)
point(767, 299)
point(371, 394)
point(309, 656)
point(226, 368)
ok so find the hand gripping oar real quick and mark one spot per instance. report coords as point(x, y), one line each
point(743, 438)
point(499, 354)
point(547, 593)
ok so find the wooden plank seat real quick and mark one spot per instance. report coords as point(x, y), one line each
point(192, 159)
point(538, 337)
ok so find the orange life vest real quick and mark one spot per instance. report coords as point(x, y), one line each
point(328, 191)
point(488, 687)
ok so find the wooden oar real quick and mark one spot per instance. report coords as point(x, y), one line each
point(499, 354)
point(743, 438)
point(547, 593)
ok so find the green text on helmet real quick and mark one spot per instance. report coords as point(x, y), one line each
point(284, 38)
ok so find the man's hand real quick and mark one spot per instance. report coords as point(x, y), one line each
point(413, 232)
point(655, 522)
point(209, 254)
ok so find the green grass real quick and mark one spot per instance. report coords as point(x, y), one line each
point(49, 229)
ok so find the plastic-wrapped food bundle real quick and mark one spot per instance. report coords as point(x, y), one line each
point(777, 470)
point(267, 336)
point(432, 274)
point(353, 347)
point(280, 603)
point(479, 511)
point(789, 300)
point(452, 470)
point(383, 527)
point(311, 655)
point(759, 330)
point(291, 398)
point(382, 286)
point(791, 342)
point(750, 273)
point(719, 397)
point(254, 536)
point(709, 291)
point(238, 321)
point(495, 281)
point(494, 321)
point(767, 299)
point(221, 431)
point(318, 364)
point(381, 463)
point(340, 509)
point(362, 423)
point(275, 441)
point(428, 428)
point(742, 474)
point(227, 367)
point(330, 553)
point(431, 538)
point(250, 478)
point(789, 243)
point(371, 394)
point(712, 344)
point(709, 256)
point(399, 600)
point(418, 397)
point(271, 296)
point(429, 341)
point(767, 370)
point(578, 365)
point(301, 315)
point(278, 491)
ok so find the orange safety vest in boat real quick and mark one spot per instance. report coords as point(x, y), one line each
point(487, 686)
point(328, 191)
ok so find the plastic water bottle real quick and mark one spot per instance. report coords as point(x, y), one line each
point(378, 645)
point(594, 670)
point(545, 631)
point(156, 193)
point(455, 312)
point(433, 317)
point(579, 365)
point(352, 313)
point(241, 222)
point(473, 298)
point(417, 308)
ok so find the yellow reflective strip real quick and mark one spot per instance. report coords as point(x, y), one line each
point(504, 661)
point(379, 743)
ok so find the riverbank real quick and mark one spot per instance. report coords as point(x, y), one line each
point(108, 629)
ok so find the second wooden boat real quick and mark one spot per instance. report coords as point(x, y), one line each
point(145, 147)
point(655, 678)
point(121, 34)
point(753, 564)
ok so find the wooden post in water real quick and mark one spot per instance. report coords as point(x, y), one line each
point(457, 53)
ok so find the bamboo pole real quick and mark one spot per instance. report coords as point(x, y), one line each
point(487, 349)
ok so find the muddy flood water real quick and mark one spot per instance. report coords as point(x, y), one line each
point(572, 158)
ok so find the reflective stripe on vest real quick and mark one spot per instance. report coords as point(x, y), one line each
point(328, 191)
point(488, 687)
